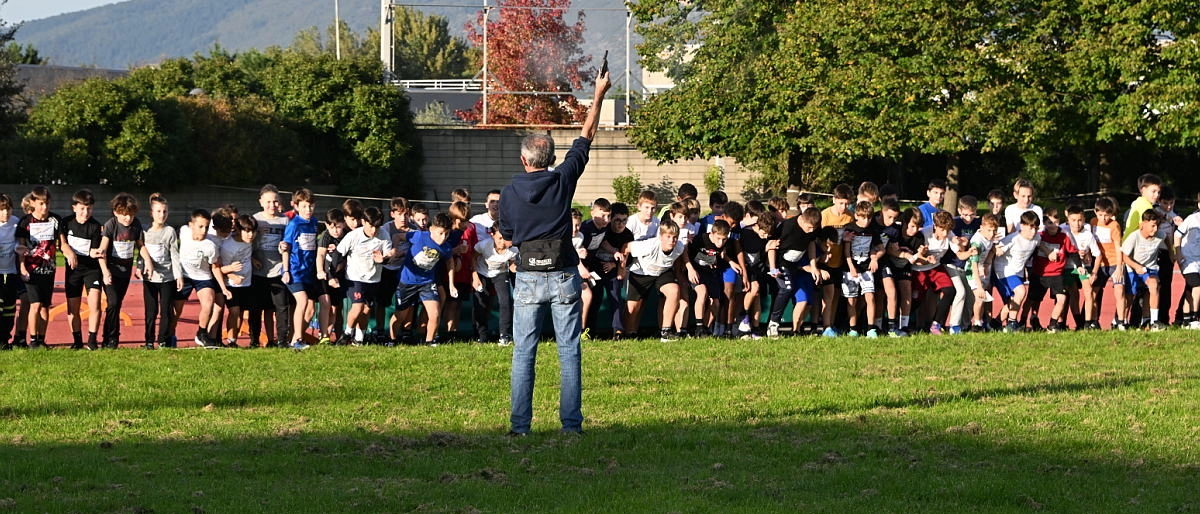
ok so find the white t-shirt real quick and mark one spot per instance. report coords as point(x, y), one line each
point(1084, 240)
point(985, 247)
point(490, 263)
point(358, 250)
point(1017, 251)
point(642, 231)
point(937, 249)
point(651, 260)
point(197, 257)
point(483, 222)
point(233, 251)
point(1189, 237)
point(1142, 250)
point(1012, 216)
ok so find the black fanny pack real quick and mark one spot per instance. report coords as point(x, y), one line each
point(546, 255)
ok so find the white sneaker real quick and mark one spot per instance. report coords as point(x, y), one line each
point(744, 326)
point(1195, 325)
point(772, 329)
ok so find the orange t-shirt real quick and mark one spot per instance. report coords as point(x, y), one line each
point(835, 221)
point(1108, 238)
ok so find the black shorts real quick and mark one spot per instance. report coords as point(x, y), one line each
point(1191, 279)
point(897, 274)
point(389, 286)
point(641, 286)
point(40, 289)
point(240, 297)
point(363, 292)
point(1054, 284)
point(336, 294)
point(835, 277)
point(78, 279)
point(411, 295)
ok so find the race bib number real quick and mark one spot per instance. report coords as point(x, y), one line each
point(81, 245)
point(123, 249)
point(307, 242)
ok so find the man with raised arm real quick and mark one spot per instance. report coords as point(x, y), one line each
point(535, 215)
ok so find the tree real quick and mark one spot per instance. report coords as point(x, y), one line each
point(836, 81)
point(424, 48)
point(18, 54)
point(9, 88)
point(531, 48)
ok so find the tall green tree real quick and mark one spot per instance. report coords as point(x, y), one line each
point(836, 81)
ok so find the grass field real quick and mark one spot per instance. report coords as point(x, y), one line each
point(1094, 422)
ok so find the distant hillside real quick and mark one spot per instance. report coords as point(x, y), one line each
point(140, 32)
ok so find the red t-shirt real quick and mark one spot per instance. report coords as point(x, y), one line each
point(1042, 266)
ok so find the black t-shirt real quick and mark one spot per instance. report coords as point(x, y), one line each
point(754, 247)
point(907, 245)
point(862, 241)
point(705, 256)
point(592, 237)
point(617, 241)
point(41, 237)
point(83, 237)
point(962, 229)
point(793, 243)
point(334, 261)
point(122, 241)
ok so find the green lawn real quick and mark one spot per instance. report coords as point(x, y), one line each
point(1099, 422)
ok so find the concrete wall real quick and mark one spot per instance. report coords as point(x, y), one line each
point(476, 159)
point(481, 159)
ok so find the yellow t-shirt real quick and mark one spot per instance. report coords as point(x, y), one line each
point(836, 221)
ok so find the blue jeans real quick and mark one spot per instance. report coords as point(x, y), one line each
point(535, 293)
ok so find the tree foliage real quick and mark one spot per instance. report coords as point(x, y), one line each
point(9, 88)
point(531, 48)
point(222, 118)
point(840, 81)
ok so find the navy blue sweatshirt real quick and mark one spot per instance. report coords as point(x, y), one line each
point(537, 205)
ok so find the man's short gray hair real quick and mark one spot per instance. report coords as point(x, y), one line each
point(538, 150)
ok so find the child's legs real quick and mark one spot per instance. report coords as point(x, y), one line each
point(1153, 298)
point(298, 321)
point(585, 296)
point(115, 294)
point(702, 303)
point(670, 294)
point(73, 305)
point(93, 307)
point(503, 287)
point(433, 311)
point(208, 299)
point(150, 300)
point(852, 310)
point(962, 296)
point(891, 303)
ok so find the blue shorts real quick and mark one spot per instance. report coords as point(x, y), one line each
point(312, 289)
point(190, 285)
point(803, 288)
point(1136, 283)
point(1006, 286)
point(410, 295)
point(730, 276)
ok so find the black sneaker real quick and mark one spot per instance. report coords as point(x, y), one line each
point(6, 347)
point(150, 345)
point(667, 335)
point(77, 346)
point(1054, 326)
point(112, 345)
point(38, 343)
point(345, 340)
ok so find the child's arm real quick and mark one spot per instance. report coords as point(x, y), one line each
point(23, 250)
point(103, 260)
point(321, 251)
point(849, 258)
point(68, 253)
point(812, 262)
point(219, 276)
point(176, 264)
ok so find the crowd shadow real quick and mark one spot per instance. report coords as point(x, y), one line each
point(807, 460)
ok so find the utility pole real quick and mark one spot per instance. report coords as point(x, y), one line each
point(337, 30)
point(385, 39)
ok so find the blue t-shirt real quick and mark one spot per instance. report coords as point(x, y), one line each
point(927, 212)
point(301, 235)
point(423, 257)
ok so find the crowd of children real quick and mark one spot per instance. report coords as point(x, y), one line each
point(863, 266)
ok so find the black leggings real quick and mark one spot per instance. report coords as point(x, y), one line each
point(159, 297)
point(115, 293)
point(500, 288)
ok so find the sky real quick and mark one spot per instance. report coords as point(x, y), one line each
point(23, 10)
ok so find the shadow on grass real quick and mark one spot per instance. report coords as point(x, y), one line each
point(935, 398)
point(872, 463)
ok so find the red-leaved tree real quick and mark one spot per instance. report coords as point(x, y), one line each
point(531, 48)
